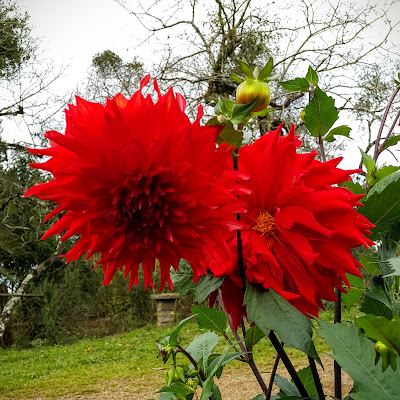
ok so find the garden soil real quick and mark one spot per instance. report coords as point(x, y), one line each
point(235, 384)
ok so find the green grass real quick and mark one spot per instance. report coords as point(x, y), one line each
point(53, 371)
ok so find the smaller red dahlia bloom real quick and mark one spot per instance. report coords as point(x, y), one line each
point(138, 182)
point(299, 227)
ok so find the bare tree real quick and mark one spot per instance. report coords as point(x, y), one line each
point(201, 41)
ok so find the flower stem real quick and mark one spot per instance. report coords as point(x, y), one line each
point(378, 138)
point(337, 371)
point(382, 146)
point(321, 395)
point(289, 366)
point(192, 360)
point(273, 373)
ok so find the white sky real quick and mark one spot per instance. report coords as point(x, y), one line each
point(73, 31)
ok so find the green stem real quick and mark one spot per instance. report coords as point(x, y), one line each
point(273, 373)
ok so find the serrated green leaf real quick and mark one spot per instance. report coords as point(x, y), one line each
point(393, 140)
point(246, 70)
point(266, 71)
point(236, 78)
point(241, 111)
point(373, 306)
point(206, 285)
point(356, 355)
point(210, 318)
point(182, 279)
point(202, 347)
point(368, 162)
point(382, 205)
point(395, 266)
point(370, 264)
point(380, 328)
point(296, 85)
point(341, 130)
point(173, 337)
point(253, 336)
point(351, 297)
point(307, 380)
point(321, 113)
point(312, 77)
point(268, 310)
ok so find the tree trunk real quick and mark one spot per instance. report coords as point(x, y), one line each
point(14, 300)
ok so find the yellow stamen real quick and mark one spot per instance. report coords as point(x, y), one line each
point(265, 224)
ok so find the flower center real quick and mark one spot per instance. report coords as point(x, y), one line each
point(264, 224)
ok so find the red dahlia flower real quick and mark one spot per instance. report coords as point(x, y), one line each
point(299, 228)
point(138, 182)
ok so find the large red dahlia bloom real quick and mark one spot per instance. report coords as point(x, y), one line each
point(299, 228)
point(138, 182)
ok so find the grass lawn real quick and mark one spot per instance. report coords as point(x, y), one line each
point(53, 371)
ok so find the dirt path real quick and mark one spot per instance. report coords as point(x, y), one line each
point(238, 384)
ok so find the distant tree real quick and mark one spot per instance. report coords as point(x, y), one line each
point(109, 75)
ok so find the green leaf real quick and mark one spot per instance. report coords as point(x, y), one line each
point(384, 172)
point(202, 347)
point(210, 318)
point(206, 392)
point(375, 307)
point(380, 328)
point(263, 113)
point(321, 113)
point(216, 394)
point(296, 85)
point(393, 140)
point(241, 111)
point(341, 130)
point(382, 205)
point(236, 78)
point(395, 265)
point(355, 281)
point(266, 71)
point(287, 388)
point(182, 280)
point(230, 135)
point(268, 310)
point(253, 336)
point(351, 297)
point(307, 379)
point(356, 355)
point(312, 77)
point(370, 264)
point(173, 338)
point(180, 393)
point(354, 187)
point(247, 72)
point(206, 285)
point(167, 396)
